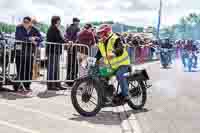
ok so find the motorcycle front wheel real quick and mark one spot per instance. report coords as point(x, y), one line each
point(86, 97)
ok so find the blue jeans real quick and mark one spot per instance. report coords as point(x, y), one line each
point(183, 57)
point(163, 58)
point(195, 60)
point(122, 80)
point(130, 53)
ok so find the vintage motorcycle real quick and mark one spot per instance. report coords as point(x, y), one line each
point(100, 89)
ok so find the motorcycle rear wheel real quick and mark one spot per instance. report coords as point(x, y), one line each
point(141, 88)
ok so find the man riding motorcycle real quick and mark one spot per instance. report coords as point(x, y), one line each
point(167, 45)
point(115, 56)
point(191, 47)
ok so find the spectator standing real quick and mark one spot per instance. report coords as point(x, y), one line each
point(86, 36)
point(1, 36)
point(53, 52)
point(72, 64)
point(25, 50)
point(95, 34)
point(73, 30)
point(36, 64)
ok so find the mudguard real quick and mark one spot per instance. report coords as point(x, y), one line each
point(139, 75)
point(97, 81)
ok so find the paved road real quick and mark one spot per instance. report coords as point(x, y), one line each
point(174, 103)
point(172, 107)
point(51, 113)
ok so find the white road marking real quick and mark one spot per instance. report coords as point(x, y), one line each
point(49, 115)
point(131, 120)
point(10, 125)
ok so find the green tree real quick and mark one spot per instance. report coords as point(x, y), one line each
point(7, 28)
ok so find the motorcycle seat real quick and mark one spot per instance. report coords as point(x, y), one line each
point(136, 73)
point(139, 75)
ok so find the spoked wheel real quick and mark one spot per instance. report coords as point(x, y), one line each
point(138, 95)
point(86, 98)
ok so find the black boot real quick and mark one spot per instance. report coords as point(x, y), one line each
point(58, 85)
point(52, 86)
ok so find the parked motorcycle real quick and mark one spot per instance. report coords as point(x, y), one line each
point(100, 89)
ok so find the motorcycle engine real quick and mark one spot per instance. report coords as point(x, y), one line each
point(110, 89)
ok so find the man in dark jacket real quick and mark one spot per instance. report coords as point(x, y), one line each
point(27, 38)
point(72, 30)
point(72, 64)
point(53, 52)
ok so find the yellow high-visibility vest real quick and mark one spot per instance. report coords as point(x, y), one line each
point(116, 62)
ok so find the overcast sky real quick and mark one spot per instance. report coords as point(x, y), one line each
point(133, 12)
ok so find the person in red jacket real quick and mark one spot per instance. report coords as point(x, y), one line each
point(86, 36)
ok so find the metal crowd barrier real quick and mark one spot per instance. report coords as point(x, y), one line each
point(26, 62)
point(3, 61)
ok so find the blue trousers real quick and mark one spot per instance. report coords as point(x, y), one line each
point(195, 60)
point(130, 53)
point(122, 81)
point(183, 57)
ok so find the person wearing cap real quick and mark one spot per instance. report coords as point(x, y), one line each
point(115, 56)
point(72, 63)
point(29, 38)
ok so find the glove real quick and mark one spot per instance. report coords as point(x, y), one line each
point(97, 62)
point(110, 56)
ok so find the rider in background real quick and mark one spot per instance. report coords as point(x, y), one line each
point(166, 44)
point(190, 47)
point(115, 56)
point(194, 53)
point(183, 52)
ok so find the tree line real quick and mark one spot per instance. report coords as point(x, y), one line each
point(187, 28)
point(10, 28)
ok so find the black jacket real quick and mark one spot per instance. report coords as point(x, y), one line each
point(54, 36)
point(166, 45)
point(72, 33)
point(26, 47)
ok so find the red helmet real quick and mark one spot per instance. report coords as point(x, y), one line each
point(104, 31)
